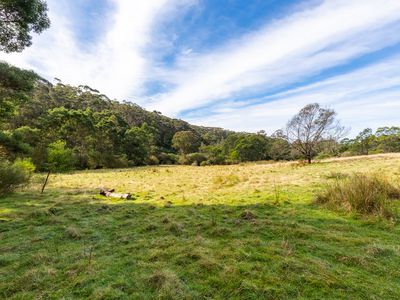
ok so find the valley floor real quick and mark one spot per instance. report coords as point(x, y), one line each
point(246, 231)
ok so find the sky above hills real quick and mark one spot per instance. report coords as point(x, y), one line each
point(239, 64)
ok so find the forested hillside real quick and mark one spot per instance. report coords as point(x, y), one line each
point(83, 128)
point(61, 127)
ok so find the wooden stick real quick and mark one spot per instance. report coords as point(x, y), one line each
point(45, 182)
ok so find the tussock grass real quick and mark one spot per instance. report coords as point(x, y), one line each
point(168, 285)
point(72, 233)
point(227, 180)
point(367, 194)
point(336, 175)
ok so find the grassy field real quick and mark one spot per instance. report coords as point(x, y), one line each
point(220, 232)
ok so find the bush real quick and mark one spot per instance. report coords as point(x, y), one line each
point(153, 160)
point(364, 194)
point(323, 155)
point(168, 158)
point(59, 157)
point(25, 164)
point(192, 159)
point(205, 163)
point(14, 175)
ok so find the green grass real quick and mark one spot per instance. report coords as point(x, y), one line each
point(217, 232)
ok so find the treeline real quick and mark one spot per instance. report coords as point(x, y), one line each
point(61, 127)
point(385, 139)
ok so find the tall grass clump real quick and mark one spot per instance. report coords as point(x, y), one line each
point(361, 193)
point(226, 180)
point(14, 175)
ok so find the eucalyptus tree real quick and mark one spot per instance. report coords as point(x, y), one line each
point(18, 19)
point(311, 126)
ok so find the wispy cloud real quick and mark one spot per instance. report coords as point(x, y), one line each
point(368, 97)
point(291, 49)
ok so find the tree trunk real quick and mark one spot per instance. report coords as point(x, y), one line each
point(309, 159)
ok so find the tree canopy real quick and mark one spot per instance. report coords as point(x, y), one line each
point(186, 142)
point(18, 19)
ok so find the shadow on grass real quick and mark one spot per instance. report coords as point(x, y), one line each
point(81, 246)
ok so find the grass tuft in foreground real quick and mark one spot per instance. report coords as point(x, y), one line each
point(361, 193)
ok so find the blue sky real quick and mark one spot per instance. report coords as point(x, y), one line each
point(239, 64)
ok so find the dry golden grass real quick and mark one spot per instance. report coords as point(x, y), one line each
point(187, 185)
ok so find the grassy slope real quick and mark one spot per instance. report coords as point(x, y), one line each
point(220, 232)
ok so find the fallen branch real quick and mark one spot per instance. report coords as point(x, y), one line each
point(110, 193)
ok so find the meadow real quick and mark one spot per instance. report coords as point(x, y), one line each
point(249, 231)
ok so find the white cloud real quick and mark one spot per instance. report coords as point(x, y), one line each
point(116, 64)
point(287, 50)
point(369, 97)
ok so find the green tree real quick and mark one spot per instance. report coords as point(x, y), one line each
point(186, 142)
point(279, 150)
point(137, 141)
point(18, 19)
point(250, 147)
point(16, 87)
point(388, 139)
point(59, 157)
point(364, 141)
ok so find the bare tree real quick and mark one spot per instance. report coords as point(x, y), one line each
point(312, 125)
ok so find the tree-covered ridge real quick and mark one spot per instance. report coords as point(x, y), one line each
point(99, 132)
point(61, 127)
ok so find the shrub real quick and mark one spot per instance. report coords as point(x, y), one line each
point(205, 163)
point(153, 160)
point(25, 164)
point(192, 159)
point(364, 194)
point(168, 158)
point(14, 175)
point(59, 157)
point(323, 155)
